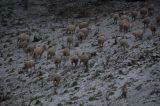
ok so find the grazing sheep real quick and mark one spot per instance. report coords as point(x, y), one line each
point(158, 20)
point(121, 24)
point(71, 29)
point(23, 44)
point(56, 78)
point(84, 58)
point(150, 9)
point(84, 24)
point(38, 52)
point(146, 22)
point(126, 26)
point(115, 17)
point(29, 49)
point(51, 52)
point(138, 34)
point(69, 41)
point(124, 44)
point(74, 60)
point(66, 52)
point(153, 29)
point(23, 37)
point(85, 31)
point(124, 17)
point(29, 64)
point(101, 40)
point(143, 12)
point(57, 61)
point(81, 36)
point(134, 15)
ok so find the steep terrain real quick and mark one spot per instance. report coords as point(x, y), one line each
point(115, 77)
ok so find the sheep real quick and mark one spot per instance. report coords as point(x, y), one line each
point(69, 41)
point(126, 26)
point(84, 24)
point(29, 49)
point(57, 61)
point(143, 12)
point(23, 44)
point(153, 29)
point(124, 17)
point(81, 36)
point(29, 64)
point(71, 29)
point(124, 44)
point(138, 34)
point(101, 40)
point(66, 52)
point(158, 20)
point(38, 52)
point(115, 17)
point(51, 52)
point(23, 37)
point(56, 78)
point(85, 31)
point(134, 15)
point(74, 60)
point(146, 22)
point(84, 58)
point(150, 9)
point(121, 24)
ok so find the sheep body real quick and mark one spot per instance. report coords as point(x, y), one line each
point(85, 31)
point(124, 44)
point(66, 52)
point(134, 15)
point(115, 17)
point(101, 40)
point(29, 64)
point(74, 60)
point(23, 37)
point(38, 52)
point(57, 61)
point(56, 78)
point(153, 29)
point(51, 52)
point(138, 34)
point(71, 29)
point(84, 24)
point(81, 36)
point(69, 41)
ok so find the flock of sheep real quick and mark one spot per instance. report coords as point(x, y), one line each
point(123, 21)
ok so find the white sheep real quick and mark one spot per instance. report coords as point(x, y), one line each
point(23, 37)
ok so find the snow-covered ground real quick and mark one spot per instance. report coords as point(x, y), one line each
point(137, 70)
